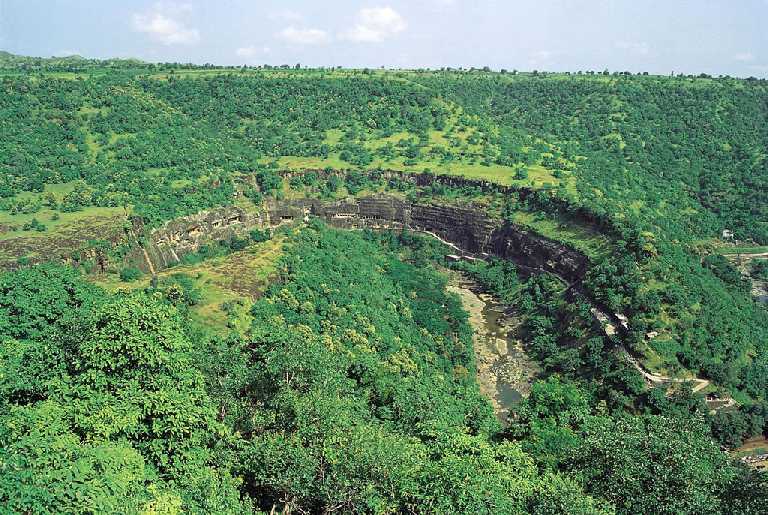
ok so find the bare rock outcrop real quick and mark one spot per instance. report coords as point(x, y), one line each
point(468, 227)
point(167, 245)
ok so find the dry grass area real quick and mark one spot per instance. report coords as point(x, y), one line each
point(228, 285)
point(64, 237)
point(753, 451)
point(757, 445)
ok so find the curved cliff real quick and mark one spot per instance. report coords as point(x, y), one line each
point(467, 227)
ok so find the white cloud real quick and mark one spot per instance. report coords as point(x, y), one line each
point(744, 57)
point(250, 52)
point(304, 36)
point(635, 47)
point(162, 24)
point(376, 24)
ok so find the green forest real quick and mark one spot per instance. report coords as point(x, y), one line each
point(308, 369)
point(354, 391)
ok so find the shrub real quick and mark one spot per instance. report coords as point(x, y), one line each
point(34, 225)
point(236, 243)
point(258, 236)
point(130, 274)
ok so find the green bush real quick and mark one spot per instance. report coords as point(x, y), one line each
point(258, 236)
point(130, 274)
point(34, 225)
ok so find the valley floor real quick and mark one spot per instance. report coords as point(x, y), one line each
point(504, 371)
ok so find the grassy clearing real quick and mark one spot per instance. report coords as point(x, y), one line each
point(59, 189)
point(64, 237)
point(57, 223)
point(333, 136)
point(581, 237)
point(653, 361)
point(742, 250)
point(538, 176)
point(11, 226)
point(659, 357)
point(457, 149)
point(235, 280)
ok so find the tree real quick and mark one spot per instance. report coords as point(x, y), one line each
point(100, 403)
point(651, 463)
point(548, 420)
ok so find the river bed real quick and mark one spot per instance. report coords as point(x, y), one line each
point(505, 372)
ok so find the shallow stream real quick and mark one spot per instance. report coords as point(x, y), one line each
point(505, 371)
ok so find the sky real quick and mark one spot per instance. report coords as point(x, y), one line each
point(717, 37)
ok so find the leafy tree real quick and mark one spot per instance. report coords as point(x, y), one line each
point(652, 464)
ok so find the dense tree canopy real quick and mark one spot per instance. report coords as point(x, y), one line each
point(354, 387)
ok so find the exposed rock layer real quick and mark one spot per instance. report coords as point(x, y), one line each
point(469, 228)
point(167, 245)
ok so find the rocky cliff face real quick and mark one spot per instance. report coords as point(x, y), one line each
point(469, 228)
point(167, 245)
point(537, 252)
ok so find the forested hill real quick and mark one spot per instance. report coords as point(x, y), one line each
point(62, 63)
point(661, 164)
point(353, 391)
point(680, 156)
point(341, 377)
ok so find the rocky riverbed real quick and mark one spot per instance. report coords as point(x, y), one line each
point(505, 372)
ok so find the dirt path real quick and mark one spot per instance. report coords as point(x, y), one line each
point(658, 379)
point(748, 256)
point(609, 326)
point(698, 385)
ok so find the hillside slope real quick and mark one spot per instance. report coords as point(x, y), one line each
point(659, 165)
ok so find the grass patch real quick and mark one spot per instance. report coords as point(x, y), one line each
point(228, 285)
point(538, 176)
point(14, 223)
point(581, 237)
point(64, 237)
point(333, 136)
point(743, 250)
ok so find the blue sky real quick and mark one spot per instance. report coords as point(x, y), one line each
point(658, 36)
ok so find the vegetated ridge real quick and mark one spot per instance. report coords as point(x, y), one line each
point(342, 377)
